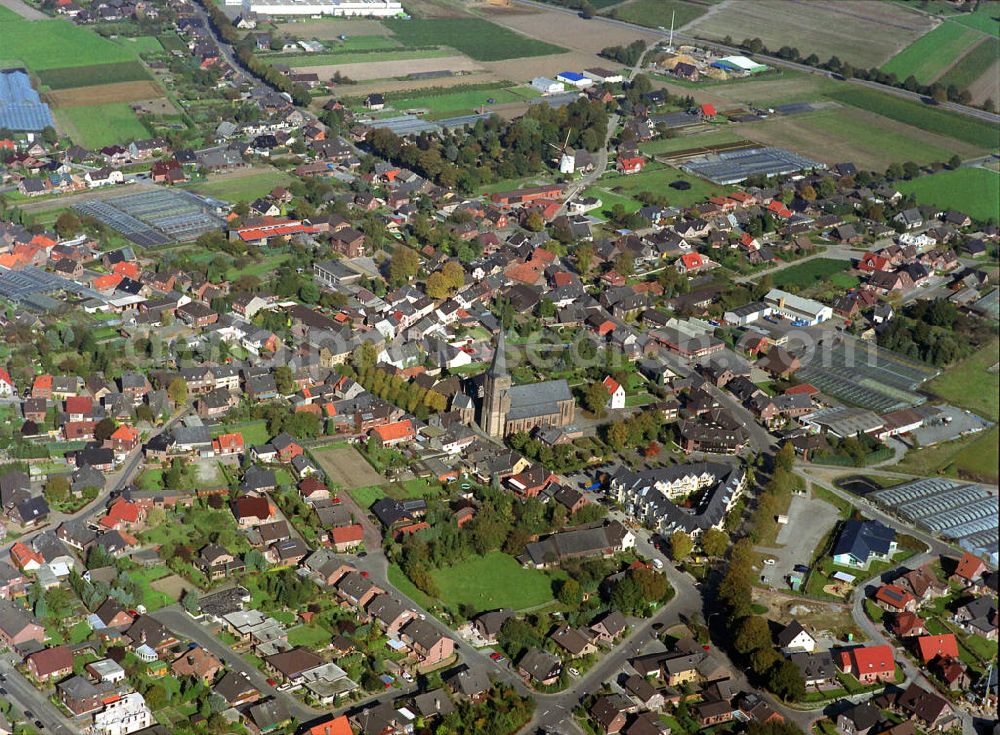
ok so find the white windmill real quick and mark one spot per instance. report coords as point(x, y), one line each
point(567, 156)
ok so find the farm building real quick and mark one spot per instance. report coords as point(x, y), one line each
point(547, 86)
point(739, 65)
point(574, 79)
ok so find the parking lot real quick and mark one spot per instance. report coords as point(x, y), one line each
point(949, 423)
point(809, 521)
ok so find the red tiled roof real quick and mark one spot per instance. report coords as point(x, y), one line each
point(932, 646)
point(397, 430)
point(79, 404)
point(354, 533)
point(969, 567)
point(873, 659)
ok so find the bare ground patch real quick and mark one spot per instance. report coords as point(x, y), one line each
point(568, 30)
point(524, 70)
point(433, 9)
point(389, 69)
point(345, 467)
point(172, 586)
point(987, 86)
point(104, 93)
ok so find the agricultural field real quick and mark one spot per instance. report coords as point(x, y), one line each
point(863, 33)
point(983, 19)
point(476, 38)
point(933, 53)
point(813, 271)
point(173, 42)
point(317, 60)
point(370, 70)
point(95, 126)
point(493, 581)
point(656, 13)
point(93, 75)
point(974, 191)
point(54, 44)
point(567, 30)
point(932, 119)
point(973, 383)
point(684, 142)
point(330, 29)
point(105, 93)
point(346, 468)
point(463, 102)
point(972, 65)
point(848, 134)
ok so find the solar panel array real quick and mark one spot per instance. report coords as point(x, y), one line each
point(20, 106)
point(154, 218)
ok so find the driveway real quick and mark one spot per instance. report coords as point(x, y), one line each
point(809, 521)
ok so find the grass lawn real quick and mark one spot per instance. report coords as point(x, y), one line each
point(511, 184)
point(79, 632)
point(654, 13)
point(172, 42)
point(266, 265)
point(609, 200)
point(493, 581)
point(463, 102)
point(52, 44)
point(477, 38)
point(971, 457)
point(932, 53)
point(970, 384)
point(684, 142)
point(151, 480)
point(657, 178)
point(812, 271)
point(356, 57)
point(359, 43)
point(365, 496)
point(141, 44)
point(926, 117)
point(254, 432)
point(99, 125)
point(402, 583)
point(418, 488)
point(313, 637)
point(152, 599)
point(974, 191)
point(243, 188)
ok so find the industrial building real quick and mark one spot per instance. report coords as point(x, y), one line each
point(797, 308)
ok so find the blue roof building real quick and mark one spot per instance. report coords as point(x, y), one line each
point(862, 541)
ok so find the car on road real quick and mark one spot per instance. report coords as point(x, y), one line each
point(657, 564)
point(497, 656)
point(770, 562)
point(408, 676)
point(39, 725)
point(3, 692)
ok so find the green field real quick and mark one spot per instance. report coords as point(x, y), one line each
point(141, 44)
point(818, 269)
point(973, 457)
point(463, 102)
point(971, 384)
point(95, 126)
point(974, 191)
point(88, 76)
point(684, 142)
point(932, 119)
point(243, 188)
point(356, 57)
point(6, 14)
point(254, 432)
point(53, 44)
point(173, 42)
point(476, 38)
point(984, 19)
point(493, 581)
point(655, 13)
point(932, 53)
point(365, 496)
point(971, 66)
point(657, 178)
point(361, 43)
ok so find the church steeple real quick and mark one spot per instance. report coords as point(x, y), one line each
point(496, 399)
point(498, 368)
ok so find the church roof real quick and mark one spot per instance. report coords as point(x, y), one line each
point(498, 368)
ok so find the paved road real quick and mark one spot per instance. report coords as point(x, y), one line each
point(680, 37)
point(179, 621)
point(28, 699)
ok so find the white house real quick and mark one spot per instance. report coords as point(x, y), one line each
point(123, 716)
point(548, 86)
point(795, 307)
point(616, 393)
point(796, 638)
